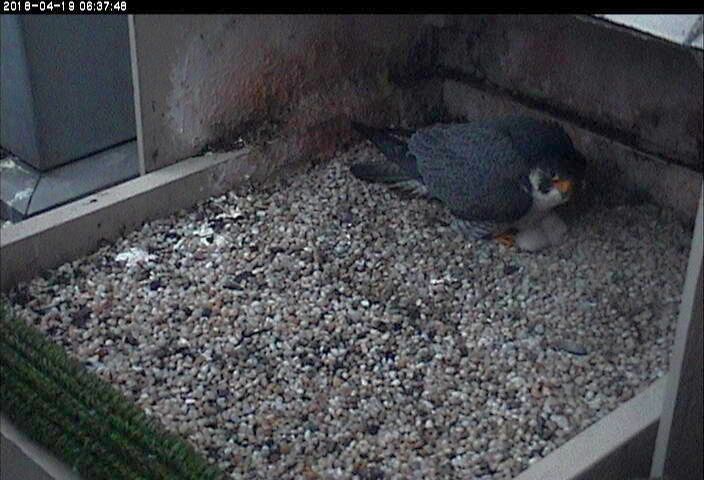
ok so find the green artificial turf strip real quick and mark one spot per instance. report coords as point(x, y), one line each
point(81, 419)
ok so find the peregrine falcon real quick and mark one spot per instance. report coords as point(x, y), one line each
point(497, 177)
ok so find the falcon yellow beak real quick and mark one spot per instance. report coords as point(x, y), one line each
point(564, 186)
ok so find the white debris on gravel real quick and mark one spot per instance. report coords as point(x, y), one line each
point(342, 331)
point(134, 257)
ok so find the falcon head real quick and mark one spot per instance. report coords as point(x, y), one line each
point(554, 170)
point(555, 177)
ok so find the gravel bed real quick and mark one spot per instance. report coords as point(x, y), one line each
point(327, 328)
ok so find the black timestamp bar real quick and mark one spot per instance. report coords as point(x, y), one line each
point(63, 6)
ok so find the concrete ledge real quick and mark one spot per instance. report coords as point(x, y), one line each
point(617, 447)
point(50, 239)
point(22, 458)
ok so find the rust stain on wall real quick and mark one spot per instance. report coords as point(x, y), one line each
point(291, 71)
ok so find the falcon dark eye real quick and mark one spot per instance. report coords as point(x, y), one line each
point(545, 185)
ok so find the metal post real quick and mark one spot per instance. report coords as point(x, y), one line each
point(137, 95)
point(678, 447)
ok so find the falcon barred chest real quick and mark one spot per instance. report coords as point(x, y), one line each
point(494, 176)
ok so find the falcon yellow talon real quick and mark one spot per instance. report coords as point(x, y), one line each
point(505, 239)
point(564, 186)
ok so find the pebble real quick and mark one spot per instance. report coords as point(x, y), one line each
point(322, 327)
point(561, 421)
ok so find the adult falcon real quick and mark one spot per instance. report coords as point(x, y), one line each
point(497, 177)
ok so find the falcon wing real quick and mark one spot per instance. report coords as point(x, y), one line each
point(474, 170)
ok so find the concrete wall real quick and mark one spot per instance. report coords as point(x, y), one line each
point(206, 80)
point(644, 93)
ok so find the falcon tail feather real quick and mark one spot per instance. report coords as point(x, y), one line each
point(393, 144)
point(389, 174)
point(379, 172)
